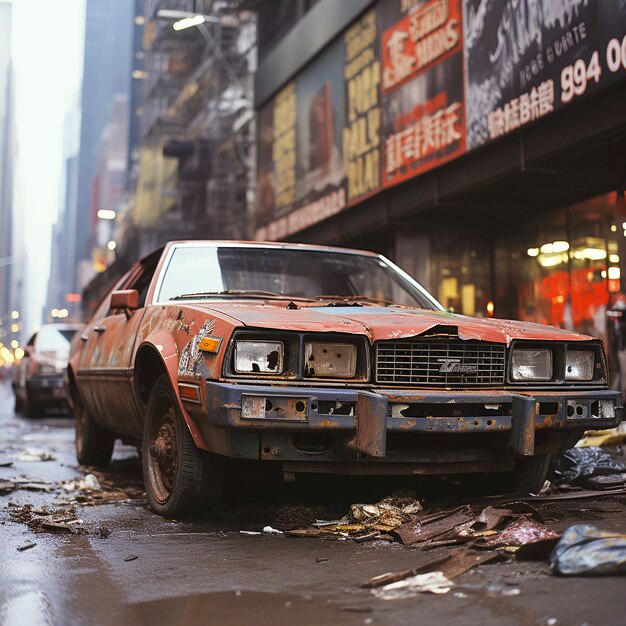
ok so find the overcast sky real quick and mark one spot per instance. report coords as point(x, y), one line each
point(47, 47)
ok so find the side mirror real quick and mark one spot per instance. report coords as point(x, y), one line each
point(127, 299)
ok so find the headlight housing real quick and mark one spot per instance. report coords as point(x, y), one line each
point(531, 364)
point(259, 357)
point(579, 365)
point(329, 360)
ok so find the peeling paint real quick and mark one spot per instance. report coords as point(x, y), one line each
point(190, 355)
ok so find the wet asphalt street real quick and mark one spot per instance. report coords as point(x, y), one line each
point(128, 566)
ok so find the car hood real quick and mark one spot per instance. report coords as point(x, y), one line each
point(382, 322)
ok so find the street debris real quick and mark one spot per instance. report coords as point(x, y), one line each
point(578, 464)
point(33, 455)
point(6, 486)
point(26, 546)
point(131, 557)
point(88, 483)
point(609, 437)
point(432, 582)
point(272, 531)
point(585, 549)
point(44, 518)
point(520, 532)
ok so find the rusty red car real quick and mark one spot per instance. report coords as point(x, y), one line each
point(319, 359)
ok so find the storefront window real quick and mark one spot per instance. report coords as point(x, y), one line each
point(560, 268)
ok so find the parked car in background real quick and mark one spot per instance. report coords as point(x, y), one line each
point(38, 381)
point(319, 359)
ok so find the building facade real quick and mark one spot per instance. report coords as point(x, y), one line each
point(481, 145)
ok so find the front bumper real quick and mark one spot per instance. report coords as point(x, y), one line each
point(397, 425)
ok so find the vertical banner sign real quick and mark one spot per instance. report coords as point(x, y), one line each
point(361, 135)
point(284, 146)
point(422, 86)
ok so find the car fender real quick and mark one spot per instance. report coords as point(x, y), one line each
point(161, 343)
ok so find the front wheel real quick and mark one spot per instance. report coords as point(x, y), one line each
point(180, 479)
point(94, 445)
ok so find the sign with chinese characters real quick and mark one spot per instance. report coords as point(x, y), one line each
point(525, 59)
point(413, 84)
point(423, 108)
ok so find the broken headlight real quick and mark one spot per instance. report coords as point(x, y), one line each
point(531, 364)
point(579, 365)
point(329, 360)
point(259, 357)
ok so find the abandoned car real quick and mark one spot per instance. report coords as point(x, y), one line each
point(319, 359)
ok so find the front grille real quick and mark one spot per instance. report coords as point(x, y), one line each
point(440, 363)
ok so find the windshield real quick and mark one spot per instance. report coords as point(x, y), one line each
point(196, 272)
point(52, 339)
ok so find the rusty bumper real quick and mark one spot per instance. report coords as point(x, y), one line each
point(364, 420)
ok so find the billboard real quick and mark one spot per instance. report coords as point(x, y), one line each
point(413, 84)
point(525, 59)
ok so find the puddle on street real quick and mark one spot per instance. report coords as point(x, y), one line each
point(248, 607)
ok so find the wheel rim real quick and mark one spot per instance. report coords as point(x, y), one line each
point(162, 453)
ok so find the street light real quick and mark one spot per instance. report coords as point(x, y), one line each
point(185, 19)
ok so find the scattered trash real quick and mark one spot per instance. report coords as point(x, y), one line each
point(432, 582)
point(88, 483)
point(304, 532)
point(272, 531)
point(610, 437)
point(431, 526)
point(26, 546)
point(6, 463)
point(585, 549)
point(131, 557)
point(6, 486)
point(42, 519)
point(612, 481)
point(250, 532)
point(451, 565)
point(320, 559)
point(579, 463)
point(356, 609)
point(521, 532)
point(34, 455)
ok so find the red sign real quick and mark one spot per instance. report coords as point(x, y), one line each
point(421, 40)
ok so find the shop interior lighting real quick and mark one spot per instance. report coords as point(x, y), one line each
point(613, 228)
point(614, 273)
point(532, 252)
point(15, 315)
point(106, 214)
point(111, 245)
point(613, 258)
point(593, 254)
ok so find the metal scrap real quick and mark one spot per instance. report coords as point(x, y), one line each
point(425, 529)
point(34, 455)
point(432, 582)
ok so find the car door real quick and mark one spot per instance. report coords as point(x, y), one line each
point(104, 367)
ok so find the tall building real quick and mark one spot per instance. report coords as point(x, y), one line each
point(196, 141)
point(8, 250)
point(108, 62)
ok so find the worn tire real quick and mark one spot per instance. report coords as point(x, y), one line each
point(18, 403)
point(180, 479)
point(530, 474)
point(94, 444)
point(31, 409)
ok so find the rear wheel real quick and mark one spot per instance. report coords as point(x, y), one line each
point(180, 479)
point(94, 444)
point(530, 474)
